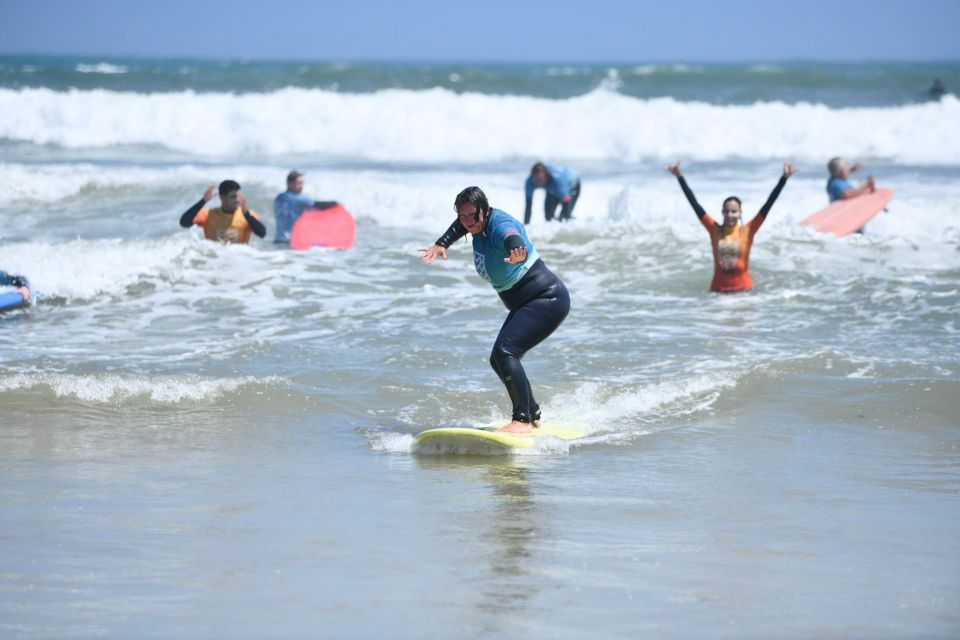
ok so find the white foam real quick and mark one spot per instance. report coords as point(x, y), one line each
point(438, 125)
point(118, 389)
point(86, 269)
point(101, 67)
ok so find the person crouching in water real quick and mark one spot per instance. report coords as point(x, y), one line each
point(231, 222)
point(562, 186)
point(536, 298)
point(732, 240)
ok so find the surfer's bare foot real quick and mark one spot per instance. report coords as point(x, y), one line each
point(517, 427)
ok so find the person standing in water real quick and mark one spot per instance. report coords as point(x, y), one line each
point(562, 186)
point(732, 240)
point(537, 299)
point(291, 203)
point(839, 186)
point(231, 222)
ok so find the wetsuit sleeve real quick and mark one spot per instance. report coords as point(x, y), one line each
point(4, 279)
point(528, 188)
point(765, 209)
point(255, 225)
point(452, 234)
point(527, 210)
point(324, 204)
point(513, 241)
point(692, 199)
point(186, 220)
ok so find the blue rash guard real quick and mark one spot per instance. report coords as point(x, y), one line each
point(288, 206)
point(836, 187)
point(561, 183)
point(489, 251)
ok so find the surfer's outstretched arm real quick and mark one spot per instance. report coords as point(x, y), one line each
point(788, 170)
point(439, 249)
point(692, 199)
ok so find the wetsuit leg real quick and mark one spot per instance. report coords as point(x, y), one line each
point(538, 306)
point(566, 212)
point(550, 203)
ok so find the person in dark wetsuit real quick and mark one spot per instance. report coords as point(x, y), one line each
point(536, 298)
point(937, 90)
point(732, 240)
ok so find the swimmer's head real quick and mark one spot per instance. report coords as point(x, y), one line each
point(472, 209)
point(229, 195)
point(540, 174)
point(295, 181)
point(227, 186)
point(838, 168)
point(732, 210)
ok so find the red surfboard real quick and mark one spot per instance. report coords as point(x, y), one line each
point(333, 227)
point(846, 216)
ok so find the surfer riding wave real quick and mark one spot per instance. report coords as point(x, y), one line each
point(536, 298)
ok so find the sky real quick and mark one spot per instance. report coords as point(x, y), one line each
point(490, 31)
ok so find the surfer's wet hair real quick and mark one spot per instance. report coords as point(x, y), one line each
point(228, 186)
point(733, 199)
point(539, 167)
point(475, 196)
point(833, 165)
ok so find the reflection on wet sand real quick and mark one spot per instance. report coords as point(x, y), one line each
point(517, 529)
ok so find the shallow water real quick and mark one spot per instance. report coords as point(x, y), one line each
point(209, 441)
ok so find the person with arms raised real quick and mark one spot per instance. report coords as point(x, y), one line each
point(732, 240)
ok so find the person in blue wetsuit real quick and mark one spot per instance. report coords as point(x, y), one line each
point(839, 186)
point(562, 186)
point(537, 299)
point(291, 203)
point(19, 282)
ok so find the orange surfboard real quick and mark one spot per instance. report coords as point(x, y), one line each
point(333, 227)
point(846, 216)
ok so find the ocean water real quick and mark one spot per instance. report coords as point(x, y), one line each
point(214, 441)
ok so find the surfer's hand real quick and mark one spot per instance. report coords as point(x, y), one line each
point(516, 256)
point(430, 254)
point(208, 194)
point(675, 168)
point(242, 201)
point(788, 169)
point(25, 292)
point(856, 167)
point(871, 184)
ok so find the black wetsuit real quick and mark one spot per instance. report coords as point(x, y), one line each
point(538, 303)
point(551, 201)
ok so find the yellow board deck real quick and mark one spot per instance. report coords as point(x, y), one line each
point(466, 435)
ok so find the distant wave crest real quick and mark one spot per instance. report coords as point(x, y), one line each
point(438, 125)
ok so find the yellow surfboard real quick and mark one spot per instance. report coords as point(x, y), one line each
point(467, 438)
